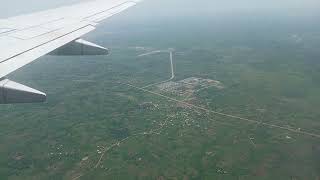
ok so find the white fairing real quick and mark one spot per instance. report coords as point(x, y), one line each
point(12, 92)
point(25, 38)
point(80, 47)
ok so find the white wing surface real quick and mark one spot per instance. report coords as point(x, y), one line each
point(25, 38)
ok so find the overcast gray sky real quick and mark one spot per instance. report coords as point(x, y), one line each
point(178, 7)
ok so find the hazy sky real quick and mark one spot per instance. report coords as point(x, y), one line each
point(179, 7)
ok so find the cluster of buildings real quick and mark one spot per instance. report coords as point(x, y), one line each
point(189, 86)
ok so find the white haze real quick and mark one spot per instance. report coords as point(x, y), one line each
point(178, 8)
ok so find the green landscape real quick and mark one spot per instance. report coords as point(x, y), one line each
point(243, 104)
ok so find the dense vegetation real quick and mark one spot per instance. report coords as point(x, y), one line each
point(270, 68)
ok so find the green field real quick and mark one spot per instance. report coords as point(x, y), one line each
point(263, 125)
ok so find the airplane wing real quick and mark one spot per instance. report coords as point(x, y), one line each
point(25, 38)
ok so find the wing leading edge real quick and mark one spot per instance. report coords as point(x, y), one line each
point(25, 38)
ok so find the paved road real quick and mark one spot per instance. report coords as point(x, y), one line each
point(150, 53)
point(172, 69)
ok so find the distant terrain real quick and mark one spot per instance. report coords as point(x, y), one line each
point(243, 103)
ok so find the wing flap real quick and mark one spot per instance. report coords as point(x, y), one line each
point(15, 62)
point(5, 30)
point(22, 45)
point(30, 33)
point(110, 12)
